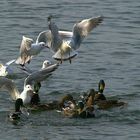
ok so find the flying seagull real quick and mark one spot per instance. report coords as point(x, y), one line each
point(64, 43)
point(28, 49)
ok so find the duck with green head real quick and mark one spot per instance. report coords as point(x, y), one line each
point(18, 113)
point(99, 95)
point(102, 102)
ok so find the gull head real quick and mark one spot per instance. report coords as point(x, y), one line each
point(45, 64)
point(42, 45)
point(28, 88)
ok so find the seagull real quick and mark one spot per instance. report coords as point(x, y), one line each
point(9, 85)
point(64, 43)
point(28, 92)
point(28, 49)
point(11, 70)
point(5, 69)
point(28, 71)
point(40, 75)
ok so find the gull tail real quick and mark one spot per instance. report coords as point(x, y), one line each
point(64, 56)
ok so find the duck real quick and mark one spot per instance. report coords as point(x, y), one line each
point(18, 113)
point(28, 50)
point(53, 105)
point(98, 99)
point(99, 94)
point(64, 43)
point(79, 110)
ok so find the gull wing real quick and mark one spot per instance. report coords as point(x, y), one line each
point(40, 75)
point(82, 29)
point(9, 85)
point(10, 62)
point(46, 36)
point(24, 49)
point(56, 39)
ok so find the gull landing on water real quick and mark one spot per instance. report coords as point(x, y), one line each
point(63, 43)
point(27, 93)
point(9, 85)
point(28, 49)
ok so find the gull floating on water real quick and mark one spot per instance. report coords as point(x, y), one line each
point(9, 85)
point(28, 49)
point(64, 44)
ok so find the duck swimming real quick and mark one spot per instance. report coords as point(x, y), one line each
point(99, 94)
point(18, 113)
point(97, 98)
point(79, 111)
point(54, 105)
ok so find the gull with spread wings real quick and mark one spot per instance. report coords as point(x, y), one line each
point(28, 49)
point(64, 43)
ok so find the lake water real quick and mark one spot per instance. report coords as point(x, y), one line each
point(110, 52)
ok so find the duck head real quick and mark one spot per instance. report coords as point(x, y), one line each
point(80, 106)
point(37, 87)
point(101, 86)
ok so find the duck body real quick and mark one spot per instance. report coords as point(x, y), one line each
point(79, 111)
point(18, 113)
point(108, 104)
point(98, 99)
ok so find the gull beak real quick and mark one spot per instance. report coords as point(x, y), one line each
point(46, 46)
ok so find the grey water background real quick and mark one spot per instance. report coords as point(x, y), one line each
point(110, 52)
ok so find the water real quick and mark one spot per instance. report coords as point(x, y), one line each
point(110, 52)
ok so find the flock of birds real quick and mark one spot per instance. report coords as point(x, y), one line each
point(64, 45)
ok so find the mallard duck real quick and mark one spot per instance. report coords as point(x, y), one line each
point(107, 104)
point(97, 98)
point(99, 94)
point(57, 104)
point(79, 111)
point(18, 113)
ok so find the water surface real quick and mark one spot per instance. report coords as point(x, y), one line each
point(110, 52)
